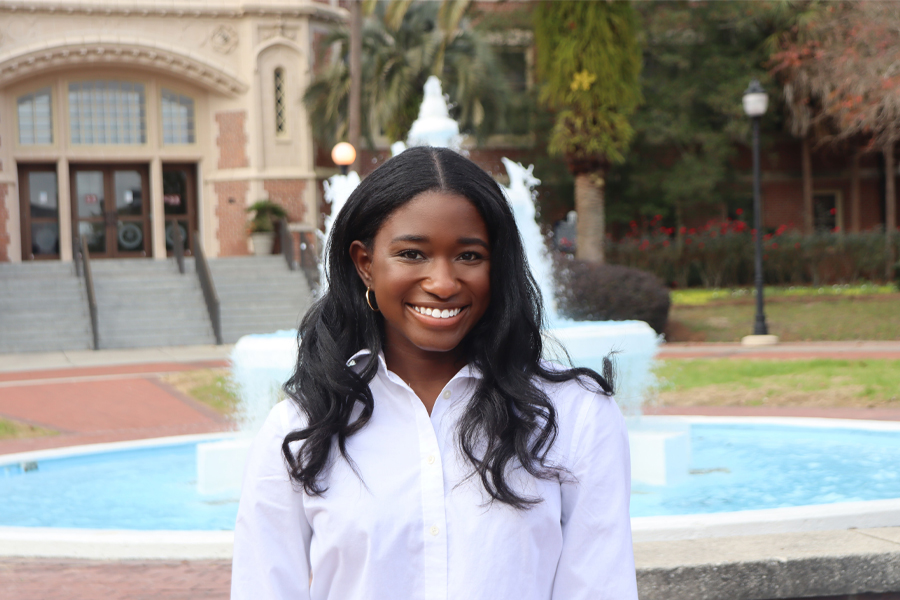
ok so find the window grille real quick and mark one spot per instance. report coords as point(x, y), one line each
point(35, 118)
point(280, 105)
point(107, 112)
point(177, 118)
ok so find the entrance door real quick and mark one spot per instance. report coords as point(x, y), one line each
point(39, 209)
point(180, 204)
point(111, 208)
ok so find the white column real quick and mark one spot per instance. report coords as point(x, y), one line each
point(64, 202)
point(157, 211)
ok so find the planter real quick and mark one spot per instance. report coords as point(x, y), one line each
point(262, 243)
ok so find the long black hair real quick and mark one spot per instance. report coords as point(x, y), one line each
point(509, 421)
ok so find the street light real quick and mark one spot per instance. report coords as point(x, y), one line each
point(343, 155)
point(756, 101)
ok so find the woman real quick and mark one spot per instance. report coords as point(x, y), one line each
point(426, 451)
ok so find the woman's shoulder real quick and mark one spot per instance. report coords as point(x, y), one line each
point(581, 405)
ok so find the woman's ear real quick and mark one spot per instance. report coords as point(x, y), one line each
point(362, 260)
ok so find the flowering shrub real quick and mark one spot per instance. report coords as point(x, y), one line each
point(721, 254)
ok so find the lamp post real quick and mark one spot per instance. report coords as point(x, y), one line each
point(756, 101)
point(343, 155)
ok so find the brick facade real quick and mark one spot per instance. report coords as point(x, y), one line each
point(231, 209)
point(232, 139)
point(289, 194)
point(4, 217)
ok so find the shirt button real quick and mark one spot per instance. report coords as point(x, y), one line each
point(434, 530)
point(446, 394)
point(431, 459)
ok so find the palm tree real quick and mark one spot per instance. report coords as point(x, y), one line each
point(589, 61)
point(403, 44)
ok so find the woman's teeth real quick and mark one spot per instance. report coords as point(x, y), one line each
point(437, 313)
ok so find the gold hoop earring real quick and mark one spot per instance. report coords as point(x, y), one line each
point(369, 301)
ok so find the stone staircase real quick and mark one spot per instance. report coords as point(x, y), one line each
point(258, 294)
point(143, 303)
point(43, 308)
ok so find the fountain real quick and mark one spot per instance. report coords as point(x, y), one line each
point(660, 454)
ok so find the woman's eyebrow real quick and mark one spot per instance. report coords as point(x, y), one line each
point(410, 238)
point(466, 241)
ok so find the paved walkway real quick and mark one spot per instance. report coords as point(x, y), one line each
point(106, 396)
point(783, 351)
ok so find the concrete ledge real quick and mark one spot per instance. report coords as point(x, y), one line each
point(45, 542)
point(768, 567)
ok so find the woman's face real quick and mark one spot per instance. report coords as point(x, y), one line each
point(429, 271)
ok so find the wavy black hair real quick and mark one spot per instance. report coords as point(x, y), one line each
point(509, 420)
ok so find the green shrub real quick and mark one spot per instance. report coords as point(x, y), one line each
point(721, 254)
point(597, 292)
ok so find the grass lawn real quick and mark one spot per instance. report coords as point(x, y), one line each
point(15, 429)
point(212, 387)
point(792, 317)
point(810, 383)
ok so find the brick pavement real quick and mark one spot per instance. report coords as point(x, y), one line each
point(55, 579)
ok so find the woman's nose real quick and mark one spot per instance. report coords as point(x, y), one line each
point(441, 280)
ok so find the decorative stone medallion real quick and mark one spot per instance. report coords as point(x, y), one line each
point(224, 38)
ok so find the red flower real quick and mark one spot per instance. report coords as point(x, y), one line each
point(682, 230)
point(768, 236)
point(634, 225)
point(774, 245)
point(797, 245)
point(666, 243)
point(739, 212)
point(832, 211)
point(692, 231)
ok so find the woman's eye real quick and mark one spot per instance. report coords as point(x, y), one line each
point(468, 256)
point(410, 254)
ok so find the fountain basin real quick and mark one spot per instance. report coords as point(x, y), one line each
point(847, 469)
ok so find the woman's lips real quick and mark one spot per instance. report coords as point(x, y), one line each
point(437, 315)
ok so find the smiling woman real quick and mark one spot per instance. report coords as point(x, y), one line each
point(430, 452)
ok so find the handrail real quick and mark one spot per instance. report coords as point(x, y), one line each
point(76, 255)
point(208, 287)
point(92, 296)
point(287, 244)
point(178, 246)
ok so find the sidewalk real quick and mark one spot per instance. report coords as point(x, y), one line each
point(860, 350)
point(105, 396)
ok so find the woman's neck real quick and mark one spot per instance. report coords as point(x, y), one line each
point(425, 372)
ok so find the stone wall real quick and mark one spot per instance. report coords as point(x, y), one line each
point(232, 140)
point(231, 210)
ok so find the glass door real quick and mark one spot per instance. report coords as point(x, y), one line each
point(112, 210)
point(180, 204)
point(39, 204)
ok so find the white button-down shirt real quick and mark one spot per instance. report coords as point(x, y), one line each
point(416, 527)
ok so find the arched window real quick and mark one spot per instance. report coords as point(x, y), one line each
point(177, 118)
point(35, 118)
point(107, 112)
point(280, 105)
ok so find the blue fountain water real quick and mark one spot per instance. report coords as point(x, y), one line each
point(734, 467)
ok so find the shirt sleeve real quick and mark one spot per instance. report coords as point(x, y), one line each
point(597, 559)
point(272, 534)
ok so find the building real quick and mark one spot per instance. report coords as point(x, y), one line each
point(121, 120)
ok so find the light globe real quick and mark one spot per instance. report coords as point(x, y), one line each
point(343, 154)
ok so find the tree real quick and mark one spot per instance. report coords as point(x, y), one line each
point(403, 44)
point(839, 66)
point(698, 59)
point(589, 62)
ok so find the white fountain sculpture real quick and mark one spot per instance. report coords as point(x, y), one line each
point(659, 453)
